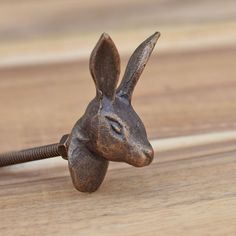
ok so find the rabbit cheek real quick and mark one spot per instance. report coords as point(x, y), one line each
point(108, 146)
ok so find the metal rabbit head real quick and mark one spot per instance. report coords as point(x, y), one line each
point(110, 129)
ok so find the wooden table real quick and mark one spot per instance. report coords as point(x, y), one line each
point(186, 98)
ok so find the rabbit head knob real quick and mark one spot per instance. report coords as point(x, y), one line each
point(110, 129)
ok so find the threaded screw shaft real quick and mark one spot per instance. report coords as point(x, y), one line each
point(37, 153)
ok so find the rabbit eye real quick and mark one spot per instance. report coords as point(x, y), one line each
point(116, 127)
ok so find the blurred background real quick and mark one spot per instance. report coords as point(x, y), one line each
point(187, 90)
point(188, 86)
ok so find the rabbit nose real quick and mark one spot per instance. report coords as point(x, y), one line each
point(149, 153)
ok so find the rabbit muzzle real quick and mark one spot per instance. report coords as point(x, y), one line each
point(141, 158)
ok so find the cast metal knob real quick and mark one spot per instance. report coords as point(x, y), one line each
point(110, 129)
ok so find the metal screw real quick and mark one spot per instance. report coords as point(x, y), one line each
point(37, 153)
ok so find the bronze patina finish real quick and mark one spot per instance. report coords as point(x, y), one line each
point(110, 129)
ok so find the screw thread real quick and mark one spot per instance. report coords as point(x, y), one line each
point(32, 154)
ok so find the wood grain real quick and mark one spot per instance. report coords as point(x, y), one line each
point(186, 98)
point(183, 196)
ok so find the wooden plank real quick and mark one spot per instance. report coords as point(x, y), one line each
point(167, 195)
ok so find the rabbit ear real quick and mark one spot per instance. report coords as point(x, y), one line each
point(105, 66)
point(136, 65)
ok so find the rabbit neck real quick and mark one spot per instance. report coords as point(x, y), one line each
point(87, 169)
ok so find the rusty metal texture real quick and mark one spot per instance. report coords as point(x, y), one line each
point(36, 153)
point(27, 155)
point(110, 129)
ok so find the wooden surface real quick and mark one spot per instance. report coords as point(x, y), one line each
point(186, 98)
